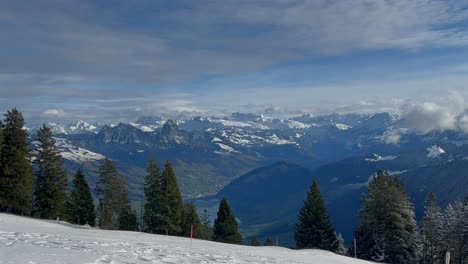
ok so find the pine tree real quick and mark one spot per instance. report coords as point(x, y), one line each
point(454, 235)
point(315, 229)
point(108, 189)
point(432, 232)
point(127, 219)
point(50, 193)
point(254, 242)
point(80, 205)
point(388, 230)
point(155, 207)
point(189, 218)
point(173, 200)
point(268, 242)
point(206, 225)
point(16, 174)
point(340, 245)
point(225, 228)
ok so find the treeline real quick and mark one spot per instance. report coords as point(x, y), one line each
point(35, 183)
point(388, 231)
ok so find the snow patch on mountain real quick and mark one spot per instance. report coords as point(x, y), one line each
point(76, 154)
point(82, 126)
point(342, 126)
point(145, 128)
point(434, 151)
point(376, 158)
point(226, 148)
point(274, 139)
point(393, 173)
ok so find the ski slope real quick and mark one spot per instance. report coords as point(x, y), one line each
point(32, 241)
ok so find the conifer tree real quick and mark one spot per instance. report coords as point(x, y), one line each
point(314, 229)
point(206, 225)
point(50, 194)
point(155, 207)
point(225, 227)
point(173, 200)
point(254, 242)
point(127, 219)
point(432, 232)
point(340, 246)
point(80, 205)
point(268, 242)
point(16, 174)
point(189, 218)
point(454, 236)
point(108, 189)
point(388, 231)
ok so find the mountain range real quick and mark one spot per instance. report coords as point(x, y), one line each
point(264, 165)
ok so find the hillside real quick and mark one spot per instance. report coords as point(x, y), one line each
point(26, 240)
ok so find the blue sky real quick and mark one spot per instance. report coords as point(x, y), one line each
point(117, 60)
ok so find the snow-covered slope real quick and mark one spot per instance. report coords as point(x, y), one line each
point(26, 240)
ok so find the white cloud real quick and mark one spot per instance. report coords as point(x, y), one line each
point(51, 113)
point(463, 123)
point(440, 115)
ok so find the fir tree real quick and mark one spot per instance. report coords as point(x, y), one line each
point(454, 236)
point(388, 230)
point(16, 174)
point(80, 205)
point(206, 225)
point(127, 219)
point(225, 227)
point(254, 242)
point(340, 246)
point(108, 189)
point(432, 232)
point(268, 242)
point(50, 194)
point(189, 218)
point(315, 229)
point(173, 200)
point(155, 207)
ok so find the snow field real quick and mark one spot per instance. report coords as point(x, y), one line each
point(32, 241)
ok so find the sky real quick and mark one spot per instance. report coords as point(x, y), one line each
point(117, 60)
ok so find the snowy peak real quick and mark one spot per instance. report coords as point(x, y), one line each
point(170, 132)
point(122, 134)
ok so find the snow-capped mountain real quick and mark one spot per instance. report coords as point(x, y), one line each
point(79, 127)
point(246, 141)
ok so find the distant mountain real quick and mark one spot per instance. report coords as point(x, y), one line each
point(210, 152)
point(266, 200)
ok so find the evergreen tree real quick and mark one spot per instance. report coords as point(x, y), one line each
point(268, 242)
point(80, 205)
point(108, 189)
point(173, 200)
point(127, 218)
point(432, 232)
point(206, 225)
point(225, 228)
point(16, 174)
point(254, 242)
point(454, 236)
point(189, 218)
point(388, 230)
point(50, 195)
point(315, 229)
point(340, 246)
point(155, 207)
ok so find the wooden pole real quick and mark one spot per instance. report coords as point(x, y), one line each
point(355, 250)
point(447, 257)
